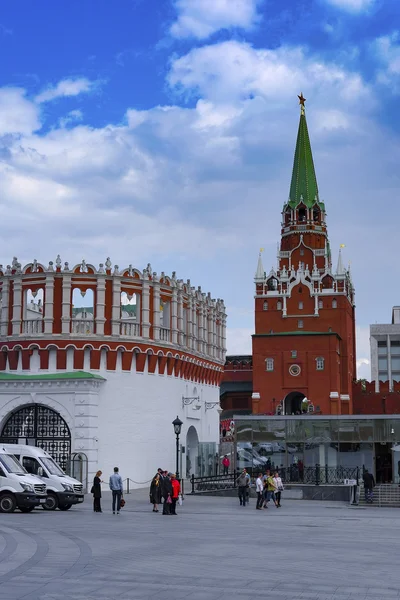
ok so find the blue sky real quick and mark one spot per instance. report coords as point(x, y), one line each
point(164, 131)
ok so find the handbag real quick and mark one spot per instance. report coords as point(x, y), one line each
point(122, 503)
point(169, 501)
point(180, 500)
point(92, 490)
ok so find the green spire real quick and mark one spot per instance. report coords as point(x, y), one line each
point(304, 187)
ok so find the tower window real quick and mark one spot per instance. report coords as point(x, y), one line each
point(302, 214)
point(265, 306)
point(293, 353)
point(334, 303)
point(301, 251)
point(320, 304)
point(301, 306)
point(316, 216)
point(300, 324)
point(279, 305)
point(269, 364)
point(320, 363)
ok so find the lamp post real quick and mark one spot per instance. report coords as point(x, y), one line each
point(177, 423)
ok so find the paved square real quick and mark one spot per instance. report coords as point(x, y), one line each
point(213, 550)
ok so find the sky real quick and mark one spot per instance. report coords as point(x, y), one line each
point(163, 131)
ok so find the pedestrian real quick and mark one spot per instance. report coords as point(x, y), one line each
point(176, 489)
point(225, 464)
point(166, 492)
point(369, 484)
point(259, 490)
point(155, 491)
point(243, 483)
point(117, 489)
point(271, 489)
point(96, 491)
point(279, 488)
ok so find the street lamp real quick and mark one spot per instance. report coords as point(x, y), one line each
point(177, 423)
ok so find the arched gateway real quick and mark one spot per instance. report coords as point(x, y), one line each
point(38, 425)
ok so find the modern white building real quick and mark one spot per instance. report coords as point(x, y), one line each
point(385, 350)
point(98, 362)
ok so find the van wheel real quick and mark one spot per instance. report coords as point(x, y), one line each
point(65, 507)
point(27, 509)
point(51, 502)
point(7, 503)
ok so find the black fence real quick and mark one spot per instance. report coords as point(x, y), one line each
point(317, 475)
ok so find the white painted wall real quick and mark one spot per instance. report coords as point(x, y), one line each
point(124, 421)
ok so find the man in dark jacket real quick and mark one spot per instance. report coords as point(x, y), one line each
point(166, 490)
point(369, 484)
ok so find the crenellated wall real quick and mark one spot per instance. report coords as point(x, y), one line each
point(173, 327)
point(376, 398)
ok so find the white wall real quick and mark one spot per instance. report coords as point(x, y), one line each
point(124, 421)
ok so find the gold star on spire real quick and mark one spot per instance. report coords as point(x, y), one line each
point(301, 98)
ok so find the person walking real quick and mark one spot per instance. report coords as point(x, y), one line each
point(279, 488)
point(96, 491)
point(259, 490)
point(369, 484)
point(117, 489)
point(176, 489)
point(271, 489)
point(225, 464)
point(155, 492)
point(167, 494)
point(243, 483)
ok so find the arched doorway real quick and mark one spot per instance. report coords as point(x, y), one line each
point(192, 452)
point(292, 403)
point(37, 425)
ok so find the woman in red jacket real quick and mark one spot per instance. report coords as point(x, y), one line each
point(176, 488)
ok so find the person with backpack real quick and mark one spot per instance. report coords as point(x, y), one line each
point(117, 488)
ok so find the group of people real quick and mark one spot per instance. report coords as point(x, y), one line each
point(165, 489)
point(268, 487)
point(117, 488)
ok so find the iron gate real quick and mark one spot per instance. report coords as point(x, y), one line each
point(40, 426)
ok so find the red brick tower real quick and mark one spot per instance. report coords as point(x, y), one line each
point(304, 342)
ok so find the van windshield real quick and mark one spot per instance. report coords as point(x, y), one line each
point(51, 466)
point(11, 465)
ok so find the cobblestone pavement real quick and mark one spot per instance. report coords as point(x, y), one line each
point(213, 550)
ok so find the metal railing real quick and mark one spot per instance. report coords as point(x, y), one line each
point(32, 326)
point(316, 475)
point(213, 482)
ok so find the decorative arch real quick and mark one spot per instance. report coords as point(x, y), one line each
point(192, 454)
point(41, 426)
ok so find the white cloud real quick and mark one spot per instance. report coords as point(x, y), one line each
point(363, 353)
point(202, 18)
point(230, 71)
point(387, 50)
point(352, 6)
point(67, 87)
point(17, 114)
point(73, 116)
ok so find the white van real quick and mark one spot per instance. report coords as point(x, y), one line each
point(18, 489)
point(62, 491)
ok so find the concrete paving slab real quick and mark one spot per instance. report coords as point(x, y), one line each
point(213, 550)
